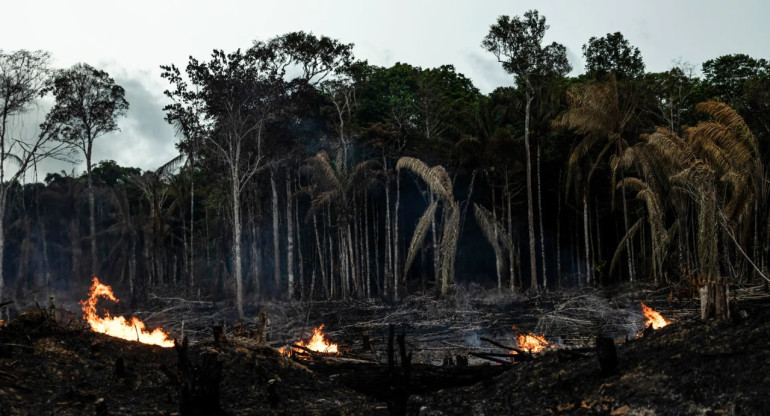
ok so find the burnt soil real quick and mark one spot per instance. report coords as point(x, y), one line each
point(687, 368)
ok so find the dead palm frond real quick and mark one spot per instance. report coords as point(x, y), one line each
point(440, 185)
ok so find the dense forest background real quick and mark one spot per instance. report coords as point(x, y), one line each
point(306, 174)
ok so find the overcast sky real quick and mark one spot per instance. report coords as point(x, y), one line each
point(131, 39)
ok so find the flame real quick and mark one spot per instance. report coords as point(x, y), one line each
point(653, 318)
point(118, 326)
point(530, 342)
point(317, 343)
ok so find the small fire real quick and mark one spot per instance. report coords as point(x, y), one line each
point(317, 343)
point(653, 318)
point(531, 342)
point(118, 326)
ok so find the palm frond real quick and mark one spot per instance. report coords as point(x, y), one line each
point(419, 234)
point(431, 177)
point(622, 244)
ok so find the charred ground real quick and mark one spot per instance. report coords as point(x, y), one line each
point(688, 367)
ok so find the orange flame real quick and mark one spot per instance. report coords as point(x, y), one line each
point(653, 318)
point(317, 343)
point(118, 326)
point(531, 342)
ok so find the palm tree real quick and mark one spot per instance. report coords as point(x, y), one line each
point(497, 236)
point(596, 112)
point(717, 164)
point(440, 185)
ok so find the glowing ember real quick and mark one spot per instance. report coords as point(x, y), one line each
point(118, 326)
point(317, 343)
point(653, 318)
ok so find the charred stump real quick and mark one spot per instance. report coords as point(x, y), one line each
point(607, 355)
point(198, 384)
point(398, 378)
point(714, 301)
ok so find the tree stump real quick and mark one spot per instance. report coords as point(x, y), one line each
point(607, 355)
point(714, 301)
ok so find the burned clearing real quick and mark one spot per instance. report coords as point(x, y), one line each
point(464, 357)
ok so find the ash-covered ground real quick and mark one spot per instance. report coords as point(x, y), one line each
point(50, 366)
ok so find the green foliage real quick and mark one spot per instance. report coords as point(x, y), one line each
point(516, 43)
point(612, 54)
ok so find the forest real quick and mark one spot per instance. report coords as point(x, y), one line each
point(305, 175)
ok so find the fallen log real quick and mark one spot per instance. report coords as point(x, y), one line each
point(521, 354)
point(491, 357)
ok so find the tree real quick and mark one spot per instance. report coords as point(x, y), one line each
point(600, 112)
point(516, 43)
point(440, 186)
point(238, 98)
point(23, 77)
point(612, 54)
point(88, 104)
point(334, 185)
point(717, 164)
point(726, 77)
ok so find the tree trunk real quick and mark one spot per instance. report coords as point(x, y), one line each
point(511, 254)
point(289, 238)
point(530, 208)
point(585, 235)
point(598, 250)
point(714, 301)
point(496, 246)
point(388, 235)
point(92, 218)
point(367, 263)
point(629, 252)
point(396, 270)
point(558, 235)
point(321, 261)
point(255, 258)
point(436, 259)
point(237, 263)
point(2, 240)
point(330, 250)
point(540, 217)
point(192, 227)
point(352, 263)
point(298, 236)
point(276, 235)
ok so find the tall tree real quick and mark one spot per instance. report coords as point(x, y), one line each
point(239, 97)
point(23, 76)
point(517, 44)
point(88, 104)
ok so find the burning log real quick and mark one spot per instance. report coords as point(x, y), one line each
point(317, 344)
point(654, 319)
point(118, 326)
point(520, 355)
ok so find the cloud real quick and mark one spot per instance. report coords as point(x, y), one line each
point(486, 72)
point(145, 139)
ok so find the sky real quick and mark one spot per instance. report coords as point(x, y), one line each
point(130, 40)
